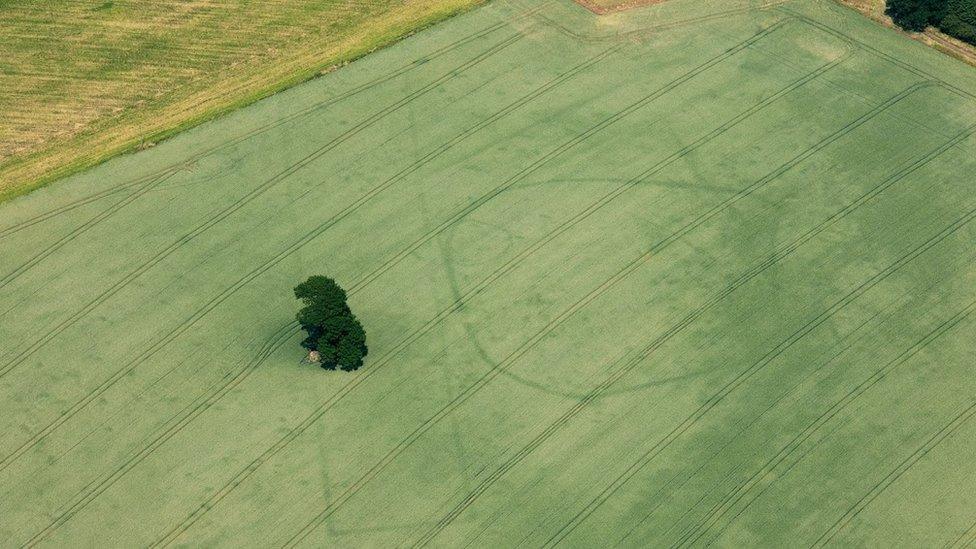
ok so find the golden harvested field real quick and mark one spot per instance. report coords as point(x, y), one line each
point(697, 274)
point(81, 81)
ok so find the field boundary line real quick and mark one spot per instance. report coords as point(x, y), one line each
point(210, 305)
point(505, 364)
point(236, 374)
point(327, 405)
point(283, 85)
point(423, 60)
point(746, 374)
point(878, 53)
point(244, 200)
point(292, 327)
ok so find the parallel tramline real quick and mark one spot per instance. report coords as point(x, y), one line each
point(694, 273)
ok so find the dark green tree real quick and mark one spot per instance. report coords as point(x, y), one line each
point(333, 330)
point(915, 15)
point(960, 20)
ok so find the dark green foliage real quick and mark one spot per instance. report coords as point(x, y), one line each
point(953, 17)
point(332, 328)
point(960, 20)
point(915, 15)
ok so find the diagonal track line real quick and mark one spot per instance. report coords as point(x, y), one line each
point(592, 395)
point(243, 201)
point(204, 402)
point(766, 470)
point(746, 374)
point(365, 374)
point(83, 228)
point(440, 52)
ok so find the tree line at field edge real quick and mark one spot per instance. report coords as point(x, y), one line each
point(956, 18)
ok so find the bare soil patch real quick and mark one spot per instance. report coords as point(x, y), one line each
point(603, 7)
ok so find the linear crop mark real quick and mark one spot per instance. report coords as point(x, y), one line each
point(237, 480)
point(948, 429)
point(596, 392)
point(276, 123)
point(81, 229)
point(656, 249)
point(244, 200)
point(746, 374)
point(283, 334)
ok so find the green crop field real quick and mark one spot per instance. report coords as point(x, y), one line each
point(696, 273)
point(84, 80)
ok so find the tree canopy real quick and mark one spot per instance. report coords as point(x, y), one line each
point(333, 330)
point(954, 17)
point(915, 15)
point(960, 20)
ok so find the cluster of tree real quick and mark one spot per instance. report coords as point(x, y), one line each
point(335, 339)
point(953, 17)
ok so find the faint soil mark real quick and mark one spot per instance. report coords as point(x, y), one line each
point(596, 6)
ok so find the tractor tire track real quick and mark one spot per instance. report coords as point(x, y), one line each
point(291, 328)
point(467, 393)
point(520, 176)
point(746, 374)
point(243, 201)
point(654, 250)
point(885, 185)
point(510, 265)
point(898, 176)
point(646, 31)
point(397, 177)
point(223, 296)
point(7, 231)
point(849, 343)
point(630, 365)
point(964, 540)
point(743, 489)
point(204, 402)
point(878, 53)
point(84, 227)
point(276, 123)
point(949, 428)
point(321, 228)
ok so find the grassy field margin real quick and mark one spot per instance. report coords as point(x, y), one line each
point(875, 9)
